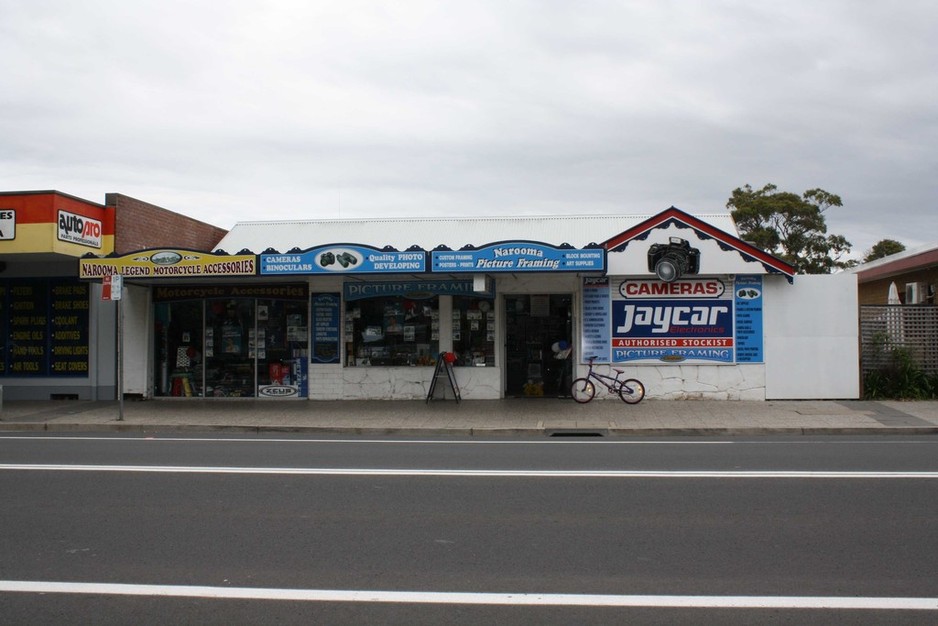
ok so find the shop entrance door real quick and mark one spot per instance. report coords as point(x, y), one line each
point(538, 328)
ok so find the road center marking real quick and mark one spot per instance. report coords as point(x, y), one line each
point(436, 597)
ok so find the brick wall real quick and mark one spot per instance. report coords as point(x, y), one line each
point(139, 225)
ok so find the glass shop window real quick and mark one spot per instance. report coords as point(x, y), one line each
point(392, 332)
point(474, 331)
point(230, 347)
point(179, 350)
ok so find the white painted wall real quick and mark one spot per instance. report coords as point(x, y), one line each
point(811, 338)
point(690, 382)
point(334, 382)
point(136, 315)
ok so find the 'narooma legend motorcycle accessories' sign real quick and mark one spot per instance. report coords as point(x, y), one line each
point(169, 264)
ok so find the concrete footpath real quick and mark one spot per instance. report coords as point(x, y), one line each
point(543, 416)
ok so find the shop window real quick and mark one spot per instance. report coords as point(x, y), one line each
point(474, 331)
point(179, 349)
point(230, 347)
point(44, 327)
point(280, 342)
point(392, 331)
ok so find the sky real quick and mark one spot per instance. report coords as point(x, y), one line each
point(237, 110)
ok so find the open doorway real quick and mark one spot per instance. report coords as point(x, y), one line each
point(538, 336)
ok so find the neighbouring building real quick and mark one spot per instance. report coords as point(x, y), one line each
point(897, 309)
point(58, 338)
point(911, 274)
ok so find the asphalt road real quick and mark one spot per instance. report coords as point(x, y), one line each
point(293, 530)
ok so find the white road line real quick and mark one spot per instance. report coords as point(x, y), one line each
point(469, 473)
point(517, 599)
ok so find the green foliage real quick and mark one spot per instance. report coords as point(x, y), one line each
point(900, 379)
point(883, 248)
point(791, 227)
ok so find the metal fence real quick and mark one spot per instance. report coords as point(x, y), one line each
point(886, 327)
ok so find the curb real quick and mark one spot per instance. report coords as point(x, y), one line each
point(570, 433)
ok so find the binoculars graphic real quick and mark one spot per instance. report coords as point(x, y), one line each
point(345, 259)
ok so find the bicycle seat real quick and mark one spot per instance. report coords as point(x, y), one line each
point(617, 370)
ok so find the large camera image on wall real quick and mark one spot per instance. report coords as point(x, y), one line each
point(669, 261)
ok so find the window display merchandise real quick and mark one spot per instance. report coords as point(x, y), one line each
point(231, 347)
point(474, 331)
point(393, 331)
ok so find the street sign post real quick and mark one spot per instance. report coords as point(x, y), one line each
point(112, 288)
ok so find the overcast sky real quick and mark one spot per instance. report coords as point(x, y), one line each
point(237, 110)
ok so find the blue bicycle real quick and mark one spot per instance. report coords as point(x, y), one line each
point(630, 390)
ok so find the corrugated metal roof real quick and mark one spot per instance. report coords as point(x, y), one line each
point(913, 259)
point(428, 233)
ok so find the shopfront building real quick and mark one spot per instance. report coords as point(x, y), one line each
point(390, 327)
point(521, 304)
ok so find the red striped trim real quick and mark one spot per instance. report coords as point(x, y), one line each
point(673, 213)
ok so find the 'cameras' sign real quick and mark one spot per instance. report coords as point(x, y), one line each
point(692, 320)
point(673, 322)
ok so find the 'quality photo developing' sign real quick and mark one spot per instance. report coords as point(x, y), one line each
point(684, 321)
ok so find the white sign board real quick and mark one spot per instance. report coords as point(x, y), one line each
point(111, 287)
point(74, 228)
point(7, 224)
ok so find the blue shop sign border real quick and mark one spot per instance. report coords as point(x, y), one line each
point(343, 259)
point(519, 256)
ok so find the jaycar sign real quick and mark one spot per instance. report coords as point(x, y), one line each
point(687, 320)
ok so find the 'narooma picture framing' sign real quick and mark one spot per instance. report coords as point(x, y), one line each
point(519, 256)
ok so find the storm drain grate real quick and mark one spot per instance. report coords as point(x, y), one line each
point(575, 433)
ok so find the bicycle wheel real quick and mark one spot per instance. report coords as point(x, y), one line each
point(632, 391)
point(582, 390)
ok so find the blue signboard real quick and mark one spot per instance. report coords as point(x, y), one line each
point(596, 298)
point(325, 328)
point(344, 259)
point(748, 293)
point(519, 256)
point(688, 320)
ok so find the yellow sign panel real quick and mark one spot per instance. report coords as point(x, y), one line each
point(169, 264)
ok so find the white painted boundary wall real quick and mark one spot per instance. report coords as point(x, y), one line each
point(811, 350)
point(812, 338)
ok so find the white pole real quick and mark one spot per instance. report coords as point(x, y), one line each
point(120, 361)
